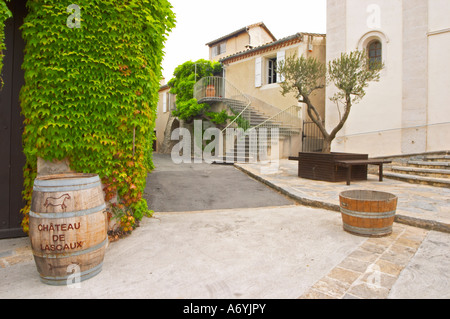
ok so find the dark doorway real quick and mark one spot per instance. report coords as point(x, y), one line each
point(12, 159)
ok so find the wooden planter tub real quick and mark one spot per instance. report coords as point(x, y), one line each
point(323, 167)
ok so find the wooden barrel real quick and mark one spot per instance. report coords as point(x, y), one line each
point(68, 227)
point(368, 213)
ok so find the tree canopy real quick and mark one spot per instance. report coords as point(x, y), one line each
point(351, 74)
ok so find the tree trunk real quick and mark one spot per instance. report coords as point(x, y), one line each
point(326, 149)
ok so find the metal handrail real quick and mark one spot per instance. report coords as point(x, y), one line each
point(289, 118)
point(213, 88)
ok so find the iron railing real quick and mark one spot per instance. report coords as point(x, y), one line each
point(288, 121)
point(312, 139)
point(214, 88)
point(251, 116)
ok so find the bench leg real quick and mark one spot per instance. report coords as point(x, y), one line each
point(380, 171)
point(349, 175)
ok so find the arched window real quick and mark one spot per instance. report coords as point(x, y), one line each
point(375, 53)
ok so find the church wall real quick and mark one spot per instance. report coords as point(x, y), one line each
point(408, 110)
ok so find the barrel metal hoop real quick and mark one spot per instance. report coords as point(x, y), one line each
point(74, 254)
point(368, 231)
point(79, 213)
point(368, 215)
point(66, 181)
point(57, 189)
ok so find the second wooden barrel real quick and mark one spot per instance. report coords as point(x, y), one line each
point(68, 227)
point(368, 213)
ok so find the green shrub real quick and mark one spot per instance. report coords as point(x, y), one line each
point(182, 85)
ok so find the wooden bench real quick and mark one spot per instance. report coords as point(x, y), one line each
point(349, 163)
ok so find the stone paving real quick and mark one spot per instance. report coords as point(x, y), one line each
point(369, 272)
point(15, 251)
point(372, 269)
point(375, 266)
point(419, 205)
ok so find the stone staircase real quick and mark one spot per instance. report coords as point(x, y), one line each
point(425, 169)
point(257, 118)
point(249, 117)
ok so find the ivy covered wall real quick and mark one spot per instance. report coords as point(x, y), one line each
point(92, 71)
point(4, 14)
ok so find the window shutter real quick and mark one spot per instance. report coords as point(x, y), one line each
point(223, 47)
point(281, 56)
point(258, 72)
point(164, 102)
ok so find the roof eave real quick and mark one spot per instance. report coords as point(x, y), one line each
point(262, 47)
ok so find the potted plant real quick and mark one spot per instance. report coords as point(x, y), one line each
point(351, 74)
point(211, 90)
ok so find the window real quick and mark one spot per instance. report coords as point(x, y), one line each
point(375, 54)
point(164, 102)
point(171, 101)
point(266, 69)
point(219, 49)
point(272, 71)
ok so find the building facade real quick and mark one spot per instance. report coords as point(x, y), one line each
point(254, 71)
point(164, 118)
point(408, 110)
point(250, 57)
point(243, 39)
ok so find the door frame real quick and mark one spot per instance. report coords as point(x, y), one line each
point(12, 159)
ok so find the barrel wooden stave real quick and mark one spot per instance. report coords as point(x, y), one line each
point(68, 227)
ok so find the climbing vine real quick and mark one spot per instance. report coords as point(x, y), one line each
point(4, 15)
point(182, 85)
point(92, 71)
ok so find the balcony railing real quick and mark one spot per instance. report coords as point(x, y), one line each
point(218, 89)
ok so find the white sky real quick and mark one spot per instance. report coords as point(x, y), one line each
point(202, 21)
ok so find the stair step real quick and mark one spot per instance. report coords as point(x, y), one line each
point(415, 179)
point(225, 161)
point(429, 172)
point(257, 118)
point(437, 158)
point(429, 164)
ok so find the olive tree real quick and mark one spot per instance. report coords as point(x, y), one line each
point(351, 74)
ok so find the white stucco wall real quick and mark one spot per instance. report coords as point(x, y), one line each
point(372, 123)
point(414, 86)
point(439, 75)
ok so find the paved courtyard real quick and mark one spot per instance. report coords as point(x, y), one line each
point(279, 250)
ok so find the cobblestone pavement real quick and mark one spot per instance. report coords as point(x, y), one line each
point(372, 269)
